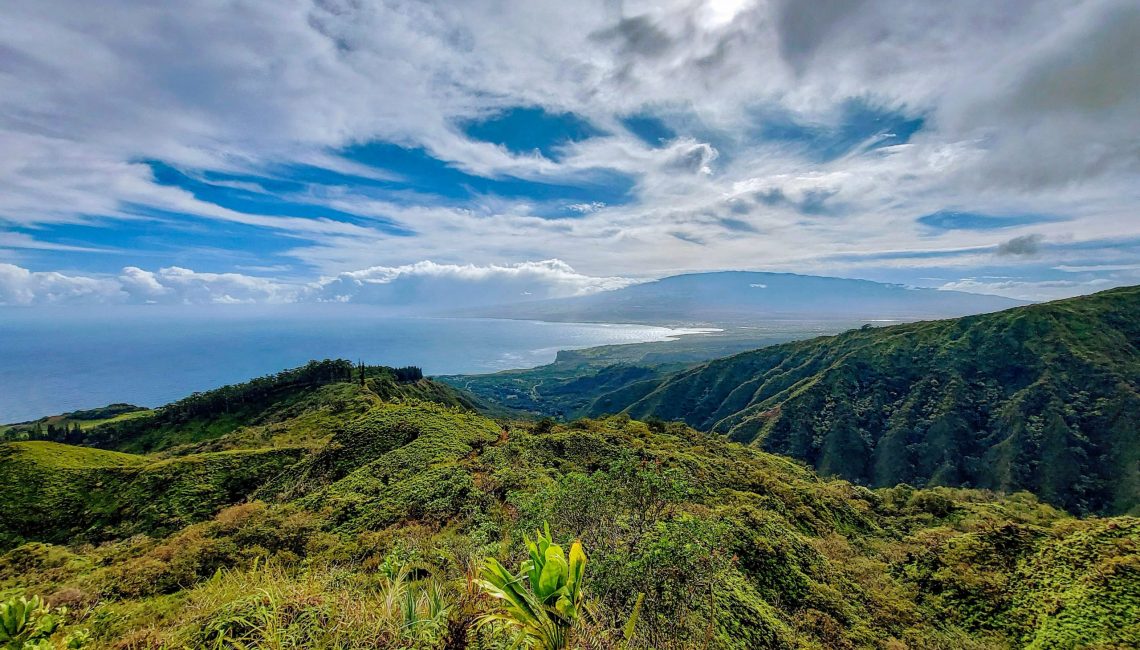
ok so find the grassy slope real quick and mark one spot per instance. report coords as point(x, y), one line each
point(1044, 397)
point(734, 547)
point(298, 407)
point(62, 493)
point(198, 463)
point(88, 419)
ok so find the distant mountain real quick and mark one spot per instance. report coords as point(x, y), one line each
point(1043, 398)
point(732, 297)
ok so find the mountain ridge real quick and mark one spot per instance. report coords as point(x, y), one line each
point(733, 297)
point(1022, 388)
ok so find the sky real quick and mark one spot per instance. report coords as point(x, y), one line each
point(211, 151)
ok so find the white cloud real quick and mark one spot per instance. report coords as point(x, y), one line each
point(172, 285)
point(1094, 268)
point(441, 286)
point(227, 288)
point(586, 208)
point(20, 240)
point(423, 286)
point(18, 286)
point(1030, 106)
point(1030, 290)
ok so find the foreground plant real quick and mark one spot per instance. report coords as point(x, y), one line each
point(544, 603)
point(28, 624)
point(415, 609)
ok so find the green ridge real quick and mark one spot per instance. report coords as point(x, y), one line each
point(62, 493)
point(349, 514)
point(1044, 398)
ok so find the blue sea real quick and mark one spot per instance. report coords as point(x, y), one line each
point(58, 360)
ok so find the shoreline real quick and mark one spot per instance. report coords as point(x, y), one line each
point(162, 360)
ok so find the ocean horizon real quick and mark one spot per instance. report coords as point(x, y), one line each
point(59, 360)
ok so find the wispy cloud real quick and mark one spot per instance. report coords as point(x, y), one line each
point(1028, 290)
point(637, 139)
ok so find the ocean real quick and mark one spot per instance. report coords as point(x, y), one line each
point(58, 360)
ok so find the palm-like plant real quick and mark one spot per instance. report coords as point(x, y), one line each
point(544, 602)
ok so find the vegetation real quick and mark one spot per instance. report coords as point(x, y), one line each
point(579, 381)
point(545, 603)
point(27, 624)
point(94, 494)
point(346, 506)
point(1042, 398)
point(395, 528)
point(68, 427)
point(207, 416)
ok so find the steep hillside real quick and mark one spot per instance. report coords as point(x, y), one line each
point(741, 297)
point(376, 539)
point(571, 385)
point(66, 494)
point(1044, 398)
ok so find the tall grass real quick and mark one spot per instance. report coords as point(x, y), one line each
point(273, 607)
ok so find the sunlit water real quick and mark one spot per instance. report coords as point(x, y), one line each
point(53, 361)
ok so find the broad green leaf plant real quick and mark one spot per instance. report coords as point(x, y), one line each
point(28, 624)
point(544, 603)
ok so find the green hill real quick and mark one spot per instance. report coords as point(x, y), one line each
point(349, 514)
point(297, 406)
point(1043, 398)
point(373, 540)
point(68, 426)
point(94, 495)
point(571, 385)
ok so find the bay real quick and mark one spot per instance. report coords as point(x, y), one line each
point(57, 360)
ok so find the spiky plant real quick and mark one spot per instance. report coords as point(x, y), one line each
point(414, 610)
point(544, 602)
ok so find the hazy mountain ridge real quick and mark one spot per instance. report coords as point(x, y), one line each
point(735, 297)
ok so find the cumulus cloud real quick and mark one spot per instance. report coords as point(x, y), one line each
point(171, 285)
point(19, 286)
point(225, 288)
point(443, 286)
point(423, 286)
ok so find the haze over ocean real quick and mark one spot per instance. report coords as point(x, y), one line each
point(52, 361)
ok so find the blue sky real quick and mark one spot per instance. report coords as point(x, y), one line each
point(301, 150)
